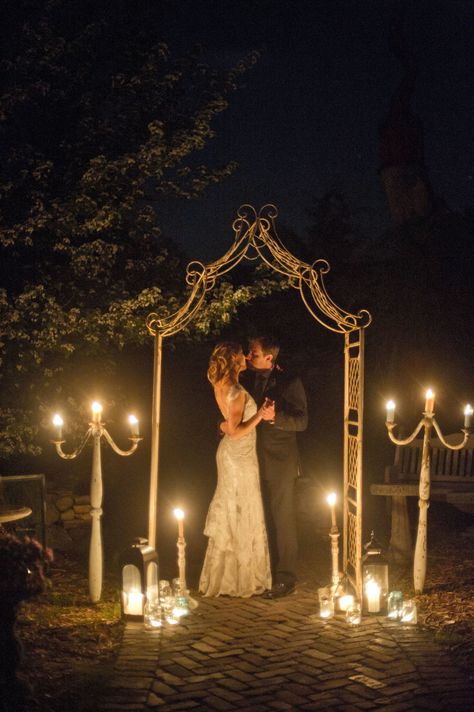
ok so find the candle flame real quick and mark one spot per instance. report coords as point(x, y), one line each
point(429, 393)
point(390, 405)
point(372, 586)
point(132, 419)
point(331, 499)
point(178, 513)
point(468, 410)
point(96, 407)
point(58, 421)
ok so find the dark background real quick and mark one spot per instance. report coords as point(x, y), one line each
point(308, 117)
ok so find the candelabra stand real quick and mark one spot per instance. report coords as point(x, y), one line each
point(335, 578)
point(427, 422)
point(181, 545)
point(96, 431)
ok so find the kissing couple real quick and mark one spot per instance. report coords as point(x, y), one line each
point(251, 523)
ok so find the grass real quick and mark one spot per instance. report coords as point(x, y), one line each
point(69, 643)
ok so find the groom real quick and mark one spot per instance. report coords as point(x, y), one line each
point(278, 455)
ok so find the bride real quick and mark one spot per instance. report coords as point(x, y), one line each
point(237, 561)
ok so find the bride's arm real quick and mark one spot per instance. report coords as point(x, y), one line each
point(235, 428)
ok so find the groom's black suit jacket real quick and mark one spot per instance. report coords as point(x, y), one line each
point(276, 443)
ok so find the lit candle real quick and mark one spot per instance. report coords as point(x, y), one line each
point(354, 614)
point(133, 421)
point(96, 412)
point(179, 514)
point(394, 605)
point(58, 424)
point(345, 602)
point(331, 500)
point(134, 603)
point(180, 609)
point(467, 416)
point(429, 404)
point(409, 612)
point(326, 603)
point(372, 590)
point(390, 411)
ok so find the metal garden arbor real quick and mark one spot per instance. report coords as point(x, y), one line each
point(256, 237)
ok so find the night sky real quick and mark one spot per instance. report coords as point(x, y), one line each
point(307, 119)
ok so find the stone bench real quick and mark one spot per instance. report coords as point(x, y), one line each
point(452, 481)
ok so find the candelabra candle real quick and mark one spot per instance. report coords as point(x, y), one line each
point(58, 424)
point(96, 412)
point(467, 416)
point(390, 407)
point(179, 514)
point(133, 422)
point(429, 403)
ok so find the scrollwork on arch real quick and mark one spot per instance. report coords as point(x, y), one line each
point(256, 237)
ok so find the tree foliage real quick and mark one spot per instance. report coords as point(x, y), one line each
point(100, 125)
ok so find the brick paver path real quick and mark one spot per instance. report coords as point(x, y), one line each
point(257, 655)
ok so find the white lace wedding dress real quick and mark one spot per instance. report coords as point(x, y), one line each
point(237, 561)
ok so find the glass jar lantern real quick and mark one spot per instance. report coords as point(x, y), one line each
point(374, 578)
point(395, 605)
point(138, 579)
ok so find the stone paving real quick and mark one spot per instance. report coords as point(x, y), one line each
point(235, 654)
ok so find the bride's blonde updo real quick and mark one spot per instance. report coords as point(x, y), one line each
point(223, 362)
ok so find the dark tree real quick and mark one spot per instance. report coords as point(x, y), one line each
point(100, 126)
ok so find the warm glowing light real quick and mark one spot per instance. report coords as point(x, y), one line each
point(326, 603)
point(353, 613)
point(179, 611)
point(58, 424)
point(345, 601)
point(409, 612)
point(390, 407)
point(134, 603)
point(467, 416)
point(429, 404)
point(331, 500)
point(154, 622)
point(179, 514)
point(96, 412)
point(133, 422)
point(372, 590)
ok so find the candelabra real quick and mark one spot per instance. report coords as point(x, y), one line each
point(427, 422)
point(96, 431)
